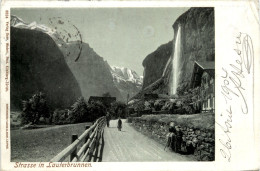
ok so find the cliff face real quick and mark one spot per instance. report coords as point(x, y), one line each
point(155, 62)
point(90, 70)
point(197, 43)
point(197, 37)
point(37, 64)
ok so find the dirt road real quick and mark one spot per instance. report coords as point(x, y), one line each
point(130, 145)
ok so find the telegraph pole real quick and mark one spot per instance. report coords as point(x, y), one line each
point(127, 98)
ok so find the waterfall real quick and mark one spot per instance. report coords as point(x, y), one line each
point(175, 62)
point(166, 66)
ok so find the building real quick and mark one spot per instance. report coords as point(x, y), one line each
point(105, 100)
point(203, 79)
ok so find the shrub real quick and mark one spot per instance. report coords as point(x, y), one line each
point(78, 111)
point(130, 119)
point(34, 108)
point(147, 105)
point(182, 88)
point(170, 106)
point(159, 104)
point(139, 106)
point(61, 117)
point(118, 109)
point(188, 109)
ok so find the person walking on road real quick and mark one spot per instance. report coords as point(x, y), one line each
point(119, 124)
point(108, 118)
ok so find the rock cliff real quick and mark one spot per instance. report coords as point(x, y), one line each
point(37, 64)
point(197, 43)
point(155, 62)
point(197, 37)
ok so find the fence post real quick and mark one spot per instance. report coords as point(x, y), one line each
point(87, 127)
point(74, 153)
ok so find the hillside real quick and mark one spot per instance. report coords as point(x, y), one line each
point(91, 71)
point(37, 64)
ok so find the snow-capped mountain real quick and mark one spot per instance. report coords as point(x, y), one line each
point(19, 23)
point(126, 80)
point(16, 21)
point(60, 36)
point(126, 74)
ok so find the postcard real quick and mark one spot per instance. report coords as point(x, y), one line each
point(130, 85)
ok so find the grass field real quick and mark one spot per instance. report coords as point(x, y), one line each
point(201, 121)
point(41, 145)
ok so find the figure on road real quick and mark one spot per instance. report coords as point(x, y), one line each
point(171, 137)
point(108, 117)
point(119, 124)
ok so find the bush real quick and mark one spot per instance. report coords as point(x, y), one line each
point(182, 88)
point(95, 110)
point(158, 104)
point(61, 117)
point(130, 119)
point(188, 109)
point(170, 106)
point(139, 106)
point(78, 111)
point(34, 108)
point(118, 109)
point(81, 111)
point(147, 105)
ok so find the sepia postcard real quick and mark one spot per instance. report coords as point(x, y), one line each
point(130, 85)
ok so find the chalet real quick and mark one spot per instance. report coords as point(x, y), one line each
point(105, 100)
point(203, 79)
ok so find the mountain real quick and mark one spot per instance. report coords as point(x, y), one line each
point(197, 44)
point(155, 62)
point(126, 80)
point(19, 23)
point(90, 70)
point(37, 64)
point(16, 21)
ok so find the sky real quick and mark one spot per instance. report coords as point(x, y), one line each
point(122, 36)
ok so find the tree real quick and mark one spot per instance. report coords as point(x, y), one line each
point(139, 106)
point(118, 109)
point(182, 88)
point(60, 116)
point(79, 111)
point(34, 108)
point(95, 110)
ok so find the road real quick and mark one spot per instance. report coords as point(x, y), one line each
point(130, 145)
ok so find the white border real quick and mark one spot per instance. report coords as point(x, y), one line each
point(225, 13)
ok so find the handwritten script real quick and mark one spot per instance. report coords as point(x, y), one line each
point(232, 88)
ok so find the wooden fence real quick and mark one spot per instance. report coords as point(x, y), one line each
point(88, 147)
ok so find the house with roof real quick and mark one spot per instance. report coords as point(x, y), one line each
point(203, 78)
